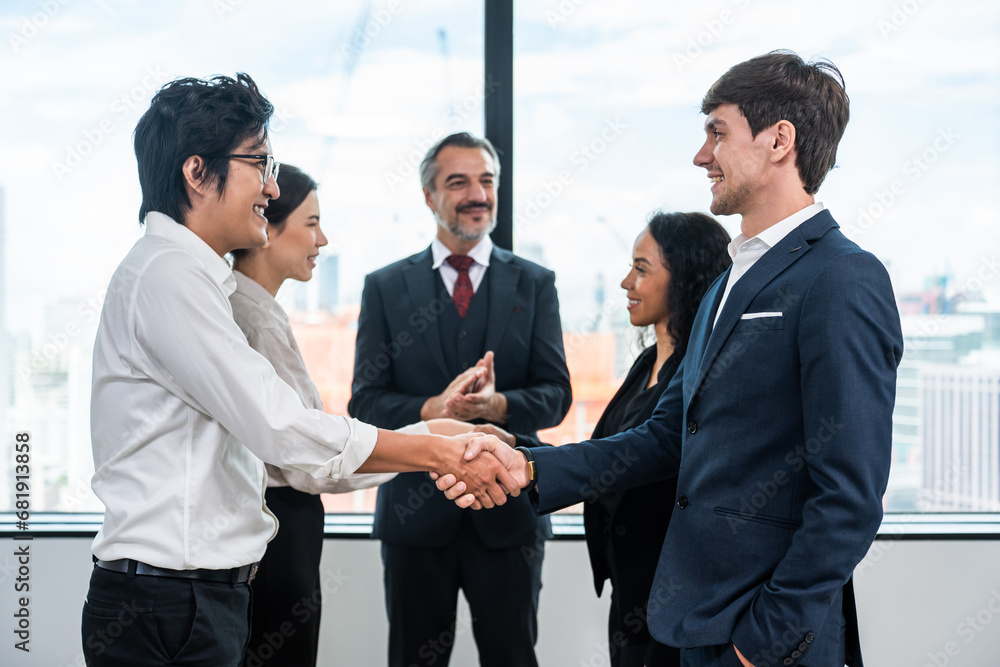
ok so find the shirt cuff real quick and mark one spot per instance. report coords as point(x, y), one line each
point(358, 447)
point(419, 428)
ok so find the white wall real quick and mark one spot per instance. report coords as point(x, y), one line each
point(922, 603)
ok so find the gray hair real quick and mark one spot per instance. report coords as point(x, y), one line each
point(429, 168)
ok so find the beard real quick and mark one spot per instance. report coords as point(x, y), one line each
point(455, 227)
point(731, 201)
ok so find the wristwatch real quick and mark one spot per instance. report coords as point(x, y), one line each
point(532, 468)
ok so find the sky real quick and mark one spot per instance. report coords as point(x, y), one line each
point(606, 121)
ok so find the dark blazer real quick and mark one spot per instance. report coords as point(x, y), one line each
point(779, 428)
point(399, 363)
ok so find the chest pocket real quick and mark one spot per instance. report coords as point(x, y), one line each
point(758, 324)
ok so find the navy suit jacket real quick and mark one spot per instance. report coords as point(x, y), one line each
point(399, 364)
point(778, 425)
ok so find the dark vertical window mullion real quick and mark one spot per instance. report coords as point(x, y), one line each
point(498, 108)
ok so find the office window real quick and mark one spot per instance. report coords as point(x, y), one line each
point(361, 89)
point(607, 122)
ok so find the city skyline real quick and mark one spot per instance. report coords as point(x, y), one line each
point(607, 120)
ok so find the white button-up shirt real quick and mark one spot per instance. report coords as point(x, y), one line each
point(183, 410)
point(745, 252)
point(480, 254)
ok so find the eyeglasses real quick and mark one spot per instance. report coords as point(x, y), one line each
point(271, 166)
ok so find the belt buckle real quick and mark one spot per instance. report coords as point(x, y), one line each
point(253, 571)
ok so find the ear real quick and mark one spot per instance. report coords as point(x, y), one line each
point(429, 200)
point(784, 141)
point(194, 175)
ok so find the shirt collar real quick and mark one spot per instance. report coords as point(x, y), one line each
point(165, 227)
point(480, 253)
point(771, 236)
point(254, 291)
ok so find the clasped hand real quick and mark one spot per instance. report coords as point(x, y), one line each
point(488, 448)
point(471, 395)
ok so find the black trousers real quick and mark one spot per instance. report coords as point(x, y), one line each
point(723, 655)
point(142, 621)
point(501, 586)
point(629, 643)
point(287, 597)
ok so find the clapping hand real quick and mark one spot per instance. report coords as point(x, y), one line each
point(477, 398)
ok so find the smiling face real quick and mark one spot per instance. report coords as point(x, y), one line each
point(240, 208)
point(294, 246)
point(647, 283)
point(464, 196)
point(735, 161)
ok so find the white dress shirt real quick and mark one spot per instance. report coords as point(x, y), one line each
point(449, 274)
point(745, 252)
point(183, 411)
point(266, 326)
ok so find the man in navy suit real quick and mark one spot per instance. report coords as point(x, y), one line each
point(778, 422)
point(430, 328)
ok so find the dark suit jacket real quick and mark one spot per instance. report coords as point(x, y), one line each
point(779, 428)
point(399, 364)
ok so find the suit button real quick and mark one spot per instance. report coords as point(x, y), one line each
point(810, 637)
point(788, 661)
point(620, 530)
point(692, 427)
point(803, 646)
point(682, 502)
point(796, 654)
point(463, 334)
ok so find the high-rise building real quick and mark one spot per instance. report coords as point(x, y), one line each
point(329, 282)
point(961, 438)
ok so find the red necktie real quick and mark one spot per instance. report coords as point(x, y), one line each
point(463, 284)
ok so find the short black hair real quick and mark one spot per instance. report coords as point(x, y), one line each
point(781, 86)
point(295, 185)
point(693, 247)
point(186, 117)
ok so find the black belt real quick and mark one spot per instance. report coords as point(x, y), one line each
point(237, 575)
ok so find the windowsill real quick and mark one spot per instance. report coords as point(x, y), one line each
point(564, 526)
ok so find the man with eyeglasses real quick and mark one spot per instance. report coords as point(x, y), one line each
point(184, 412)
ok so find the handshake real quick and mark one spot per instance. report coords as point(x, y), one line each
point(490, 470)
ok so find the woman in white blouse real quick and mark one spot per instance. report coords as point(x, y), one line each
point(287, 589)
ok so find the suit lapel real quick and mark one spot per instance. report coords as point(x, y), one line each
point(420, 284)
point(775, 261)
point(503, 281)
